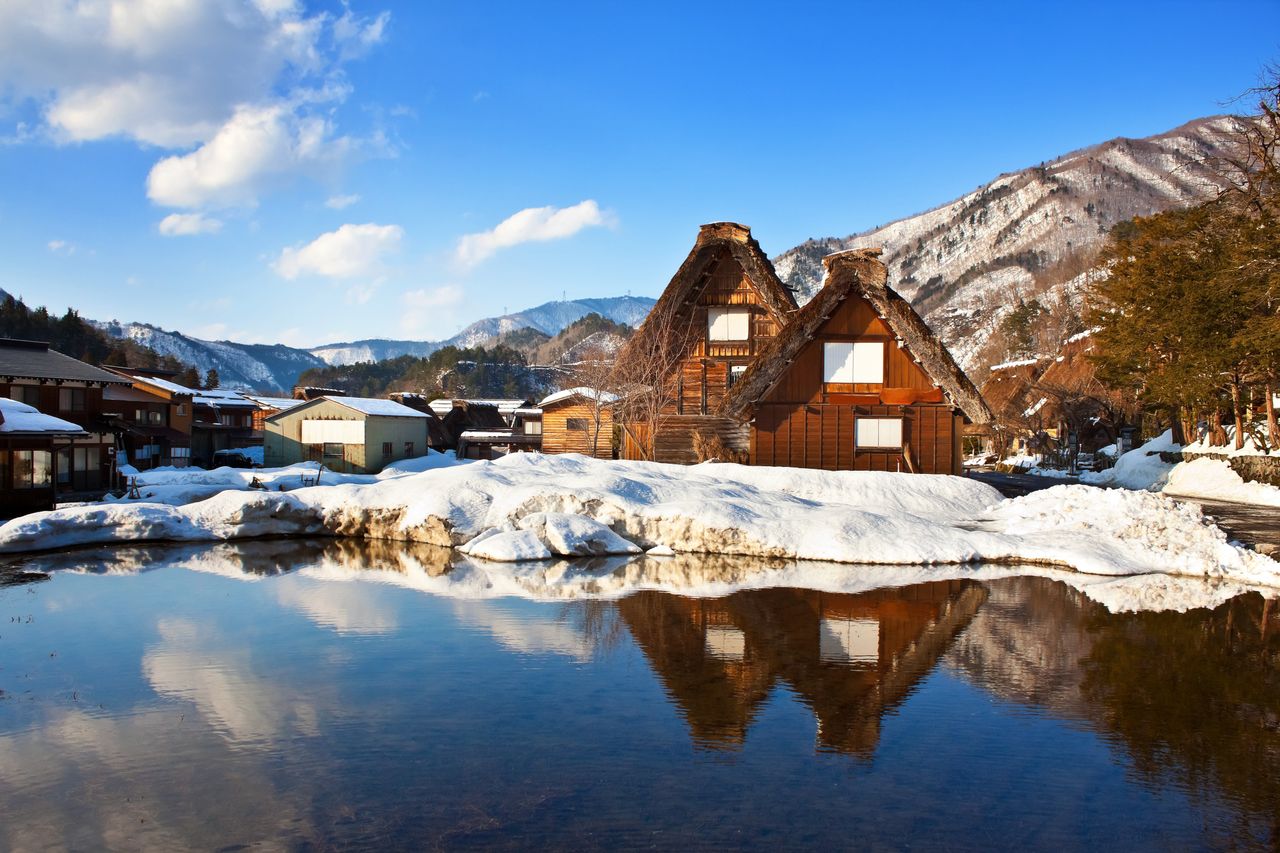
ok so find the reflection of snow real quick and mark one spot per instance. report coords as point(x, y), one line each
point(345, 608)
point(222, 685)
point(849, 641)
point(726, 642)
point(525, 633)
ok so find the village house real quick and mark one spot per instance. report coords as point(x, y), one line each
point(266, 407)
point(65, 388)
point(856, 381)
point(152, 423)
point(578, 420)
point(30, 445)
point(438, 437)
point(221, 419)
point(721, 309)
point(350, 435)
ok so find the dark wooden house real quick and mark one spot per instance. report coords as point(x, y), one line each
point(721, 309)
point(31, 446)
point(856, 381)
point(66, 388)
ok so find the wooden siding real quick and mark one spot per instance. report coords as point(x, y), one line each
point(558, 438)
point(804, 422)
point(702, 379)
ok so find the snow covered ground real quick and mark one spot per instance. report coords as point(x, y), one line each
point(178, 486)
point(1213, 479)
point(533, 507)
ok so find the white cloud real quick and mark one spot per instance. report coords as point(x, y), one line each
point(188, 224)
point(360, 294)
point(61, 247)
point(184, 73)
point(340, 202)
point(257, 146)
point(530, 225)
point(349, 252)
point(428, 310)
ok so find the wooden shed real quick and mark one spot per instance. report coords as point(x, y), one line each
point(721, 309)
point(856, 381)
point(578, 420)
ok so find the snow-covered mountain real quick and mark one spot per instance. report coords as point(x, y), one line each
point(550, 318)
point(276, 366)
point(1028, 233)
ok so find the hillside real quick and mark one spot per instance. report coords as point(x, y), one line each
point(276, 366)
point(1033, 233)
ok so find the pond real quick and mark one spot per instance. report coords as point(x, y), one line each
point(284, 695)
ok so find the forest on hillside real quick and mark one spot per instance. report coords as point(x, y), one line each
point(71, 335)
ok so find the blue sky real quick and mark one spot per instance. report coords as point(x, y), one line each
point(272, 171)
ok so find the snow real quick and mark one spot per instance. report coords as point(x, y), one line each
point(1035, 408)
point(527, 503)
point(1215, 479)
point(253, 454)
point(1249, 446)
point(1140, 468)
point(18, 417)
point(604, 397)
point(377, 407)
point(1006, 365)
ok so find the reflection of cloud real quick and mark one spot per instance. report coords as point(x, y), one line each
point(525, 633)
point(92, 781)
point(344, 608)
point(222, 685)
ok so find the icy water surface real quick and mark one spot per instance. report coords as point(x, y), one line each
point(324, 694)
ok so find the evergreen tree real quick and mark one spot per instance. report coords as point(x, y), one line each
point(211, 378)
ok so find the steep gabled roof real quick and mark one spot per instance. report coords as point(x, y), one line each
point(716, 241)
point(857, 272)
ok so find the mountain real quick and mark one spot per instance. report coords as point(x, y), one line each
point(1028, 234)
point(550, 318)
point(276, 366)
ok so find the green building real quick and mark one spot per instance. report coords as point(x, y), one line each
point(351, 435)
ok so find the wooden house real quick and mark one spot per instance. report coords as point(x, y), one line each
point(152, 424)
point(856, 381)
point(351, 435)
point(31, 446)
point(578, 420)
point(71, 390)
point(724, 305)
point(438, 437)
point(221, 419)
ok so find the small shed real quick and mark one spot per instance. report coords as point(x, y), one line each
point(352, 435)
point(579, 420)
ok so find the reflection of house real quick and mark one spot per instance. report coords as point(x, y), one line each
point(29, 446)
point(64, 387)
point(722, 306)
point(354, 435)
point(849, 657)
point(578, 420)
point(856, 381)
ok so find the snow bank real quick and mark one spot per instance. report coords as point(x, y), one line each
point(529, 506)
point(1216, 480)
point(1249, 446)
point(1140, 468)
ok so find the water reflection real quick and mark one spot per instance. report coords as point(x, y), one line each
point(849, 658)
point(334, 693)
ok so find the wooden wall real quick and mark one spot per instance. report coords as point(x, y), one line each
point(558, 438)
point(702, 379)
point(804, 422)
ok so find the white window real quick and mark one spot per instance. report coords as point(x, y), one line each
point(849, 362)
point(533, 427)
point(728, 324)
point(736, 372)
point(878, 432)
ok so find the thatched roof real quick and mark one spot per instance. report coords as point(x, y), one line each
point(717, 242)
point(858, 272)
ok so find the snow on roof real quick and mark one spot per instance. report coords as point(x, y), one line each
point(488, 434)
point(1082, 335)
point(279, 404)
point(377, 406)
point(1033, 409)
point(589, 393)
point(171, 387)
point(528, 412)
point(1019, 363)
point(18, 418)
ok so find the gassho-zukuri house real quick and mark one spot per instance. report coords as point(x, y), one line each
point(854, 380)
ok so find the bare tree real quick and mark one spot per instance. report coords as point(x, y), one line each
point(595, 372)
point(646, 376)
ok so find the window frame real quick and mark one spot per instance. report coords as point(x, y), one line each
point(577, 424)
point(727, 311)
point(878, 419)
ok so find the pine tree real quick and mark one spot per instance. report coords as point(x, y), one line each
point(211, 378)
